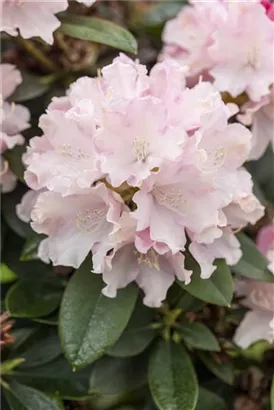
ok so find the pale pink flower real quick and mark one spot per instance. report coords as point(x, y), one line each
point(265, 242)
point(188, 36)
point(244, 207)
point(135, 142)
point(14, 119)
point(153, 272)
point(63, 159)
point(150, 138)
point(25, 207)
point(242, 51)
point(228, 42)
point(226, 247)
point(258, 323)
point(75, 223)
point(260, 115)
point(31, 17)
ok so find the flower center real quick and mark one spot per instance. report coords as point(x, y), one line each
point(140, 147)
point(150, 259)
point(253, 58)
point(91, 220)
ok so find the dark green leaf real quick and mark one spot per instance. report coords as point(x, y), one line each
point(189, 303)
point(111, 376)
point(99, 31)
point(40, 346)
point(31, 299)
point(218, 289)
point(30, 249)
point(31, 87)
point(199, 336)
point(209, 401)
point(172, 378)
point(90, 322)
point(252, 264)
point(6, 274)
point(137, 335)
point(30, 269)
point(56, 377)
point(21, 397)
point(222, 370)
point(14, 158)
point(9, 202)
point(48, 320)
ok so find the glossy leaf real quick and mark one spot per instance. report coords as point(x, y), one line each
point(253, 264)
point(29, 269)
point(223, 370)
point(21, 397)
point(14, 158)
point(30, 299)
point(90, 322)
point(218, 289)
point(40, 346)
point(111, 376)
point(99, 31)
point(30, 249)
point(172, 378)
point(9, 202)
point(56, 377)
point(6, 274)
point(209, 401)
point(31, 87)
point(137, 335)
point(199, 336)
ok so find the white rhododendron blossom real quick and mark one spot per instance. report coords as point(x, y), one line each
point(231, 45)
point(258, 323)
point(13, 120)
point(131, 165)
point(33, 18)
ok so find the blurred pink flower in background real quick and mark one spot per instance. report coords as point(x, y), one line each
point(258, 323)
point(33, 18)
point(13, 120)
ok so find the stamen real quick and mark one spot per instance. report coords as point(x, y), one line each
point(150, 259)
point(90, 221)
point(140, 147)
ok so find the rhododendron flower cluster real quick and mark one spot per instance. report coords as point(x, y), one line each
point(129, 166)
point(13, 120)
point(258, 323)
point(33, 17)
point(231, 44)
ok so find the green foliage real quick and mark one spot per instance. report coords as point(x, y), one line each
point(89, 329)
point(198, 336)
point(30, 249)
point(31, 87)
point(253, 264)
point(21, 397)
point(137, 335)
point(223, 369)
point(172, 378)
point(99, 31)
point(30, 299)
point(218, 289)
point(209, 401)
point(6, 274)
